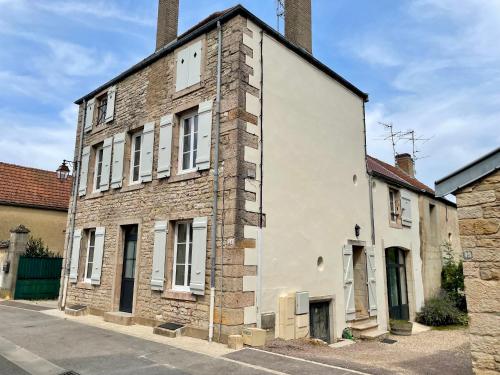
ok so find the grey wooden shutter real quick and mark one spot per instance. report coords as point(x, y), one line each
point(165, 146)
point(89, 115)
point(160, 244)
point(110, 107)
point(204, 135)
point(182, 69)
point(406, 210)
point(148, 136)
point(350, 309)
point(106, 164)
point(84, 171)
point(194, 64)
point(98, 256)
point(118, 153)
point(75, 256)
point(197, 284)
point(372, 280)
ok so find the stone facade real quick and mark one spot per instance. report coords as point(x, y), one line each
point(479, 221)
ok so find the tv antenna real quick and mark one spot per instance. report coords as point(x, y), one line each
point(393, 136)
point(280, 13)
point(410, 136)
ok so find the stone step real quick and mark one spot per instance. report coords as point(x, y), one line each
point(364, 325)
point(76, 310)
point(374, 334)
point(118, 317)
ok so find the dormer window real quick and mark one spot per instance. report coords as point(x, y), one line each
point(102, 105)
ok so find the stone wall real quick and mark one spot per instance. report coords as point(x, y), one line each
point(479, 220)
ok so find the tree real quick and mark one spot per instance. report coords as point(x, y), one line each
point(36, 248)
point(452, 278)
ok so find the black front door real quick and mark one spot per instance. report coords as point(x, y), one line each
point(129, 251)
point(319, 320)
point(396, 284)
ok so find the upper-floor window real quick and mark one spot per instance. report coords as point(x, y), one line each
point(89, 259)
point(188, 142)
point(394, 205)
point(102, 104)
point(183, 254)
point(98, 168)
point(135, 158)
point(188, 71)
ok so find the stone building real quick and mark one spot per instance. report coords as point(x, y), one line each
point(477, 188)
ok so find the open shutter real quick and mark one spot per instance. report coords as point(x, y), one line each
point(160, 244)
point(148, 135)
point(106, 164)
point(89, 115)
point(75, 256)
point(118, 151)
point(194, 64)
point(110, 107)
point(350, 310)
point(406, 210)
point(181, 77)
point(372, 280)
point(204, 135)
point(197, 284)
point(84, 171)
point(98, 256)
point(165, 146)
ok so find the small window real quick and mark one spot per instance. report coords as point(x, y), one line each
point(183, 253)
point(98, 168)
point(102, 105)
point(135, 158)
point(188, 142)
point(89, 259)
point(394, 204)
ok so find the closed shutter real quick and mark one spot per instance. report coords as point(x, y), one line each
point(194, 64)
point(98, 256)
point(204, 135)
point(160, 244)
point(372, 280)
point(182, 63)
point(75, 256)
point(406, 210)
point(84, 171)
point(165, 146)
point(148, 135)
point(89, 115)
point(106, 164)
point(197, 284)
point(118, 152)
point(350, 310)
point(110, 107)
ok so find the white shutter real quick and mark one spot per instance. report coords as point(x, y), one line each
point(197, 284)
point(75, 256)
point(106, 164)
point(165, 146)
point(84, 171)
point(406, 210)
point(204, 135)
point(160, 244)
point(194, 64)
point(372, 280)
point(118, 152)
point(181, 77)
point(110, 107)
point(89, 115)
point(350, 309)
point(148, 137)
point(98, 256)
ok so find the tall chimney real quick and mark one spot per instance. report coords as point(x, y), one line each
point(298, 23)
point(406, 164)
point(168, 19)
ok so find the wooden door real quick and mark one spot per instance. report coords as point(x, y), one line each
point(319, 320)
point(128, 271)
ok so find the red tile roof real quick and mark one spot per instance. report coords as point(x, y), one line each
point(30, 187)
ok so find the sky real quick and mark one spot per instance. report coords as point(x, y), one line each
point(431, 66)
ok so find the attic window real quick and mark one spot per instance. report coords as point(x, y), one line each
point(188, 71)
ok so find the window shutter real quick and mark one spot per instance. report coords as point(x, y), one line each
point(160, 244)
point(181, 77)
point(84, 171)
point(110, 107)
point(406, 211)
point(98, 256)
point(204, 135)
point(372, 280)
point(148, 135)
point(89, 115)
point(350, 310)
point(197, 284)
point(75, 256)
point(106, 164)
point(165, 146)
point(194, 64)
point(118, 151)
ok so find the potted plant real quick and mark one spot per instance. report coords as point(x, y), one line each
point(401, 327)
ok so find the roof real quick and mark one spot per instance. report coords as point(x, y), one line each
point(30, 187)
point(210, 23)
point(469, 174)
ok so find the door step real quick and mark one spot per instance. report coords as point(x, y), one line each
point(367, 329)
point(76, 310)
point(374, 335)
point(118, 317)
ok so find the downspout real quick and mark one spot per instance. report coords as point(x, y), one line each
point(76, 181)
point(216, 185)
point(370, 182)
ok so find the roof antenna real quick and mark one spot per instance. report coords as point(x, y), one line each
point(280, 13)
point(393, 136)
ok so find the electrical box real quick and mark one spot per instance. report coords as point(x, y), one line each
point(301, 303)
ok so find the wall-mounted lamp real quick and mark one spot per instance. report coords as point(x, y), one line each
point(63, 170)
point(357, 229)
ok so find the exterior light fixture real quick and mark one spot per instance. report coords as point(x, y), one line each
point(63, 170)
point(357, 229)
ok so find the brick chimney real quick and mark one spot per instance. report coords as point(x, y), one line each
point(168, 19)
point(406, 164)
point(298, 23)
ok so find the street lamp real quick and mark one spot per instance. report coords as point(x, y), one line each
point(63, 170)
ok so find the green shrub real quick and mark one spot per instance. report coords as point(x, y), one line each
point(441, 311)
point(37, 249)
point(452, 278)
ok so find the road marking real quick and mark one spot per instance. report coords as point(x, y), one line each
point(255, 367)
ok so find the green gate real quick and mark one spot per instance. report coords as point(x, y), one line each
point(38, 278)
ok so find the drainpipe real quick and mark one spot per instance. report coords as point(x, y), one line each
point(69, 247)
point(370, 182)
point(216, 185)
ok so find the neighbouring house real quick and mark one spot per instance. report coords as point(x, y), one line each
point(36, 199)
point(477, 189)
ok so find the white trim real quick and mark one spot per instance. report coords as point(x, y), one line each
point(132, 152)
point(192, 160)
point(185, 287)
point(96, 188)
point(85, 279)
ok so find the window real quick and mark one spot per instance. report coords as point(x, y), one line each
point(135, 159)
point(89, 259)
point(98, 168)
point(102, 105)
point(394, 203)
point(188, 142)
point(183, 253)
point(188, 66)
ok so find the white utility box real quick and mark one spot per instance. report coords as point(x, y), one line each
point(301, 303)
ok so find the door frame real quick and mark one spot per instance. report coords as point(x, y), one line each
point(331, 313)
point(398, 266)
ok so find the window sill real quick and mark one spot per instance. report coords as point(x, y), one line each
point(188, 90)
point(84, 285)
point(182, 296)
point(97, 128)
point(132, 187)
point(94, 195)
point(395, 225)
point(185, 176)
